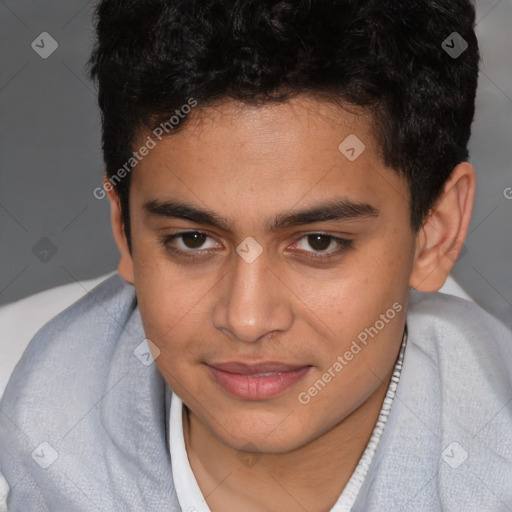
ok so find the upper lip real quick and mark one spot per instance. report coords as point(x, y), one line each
point(254, 369)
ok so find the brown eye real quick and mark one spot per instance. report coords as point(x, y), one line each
point(322, 247)
point(190, 244)
point(319, 242)
point(194, 239)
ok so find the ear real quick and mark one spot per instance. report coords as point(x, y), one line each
point(441, 238)
point(125, 266)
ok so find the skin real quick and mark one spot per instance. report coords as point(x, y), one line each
point(248, 164)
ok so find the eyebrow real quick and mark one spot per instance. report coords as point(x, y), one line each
point(337, 209)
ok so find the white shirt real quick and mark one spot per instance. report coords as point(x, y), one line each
point(187, 488)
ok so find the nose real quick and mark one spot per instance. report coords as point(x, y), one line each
point(252, 302)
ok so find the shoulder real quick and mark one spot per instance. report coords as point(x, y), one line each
point(75, 342)
point(458, 331)
point(60, 405)
point(75, 331)
point(459, 380)
point(447, 440)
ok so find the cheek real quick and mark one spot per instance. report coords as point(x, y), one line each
point(359, 360)
point(367, 284)
point(364, 309)
point(170, 303)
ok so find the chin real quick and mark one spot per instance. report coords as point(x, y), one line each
point(270, 436)
point(259, 444)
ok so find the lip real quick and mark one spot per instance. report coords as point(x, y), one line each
point(246, 380)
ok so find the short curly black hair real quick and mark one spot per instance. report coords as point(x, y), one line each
point(388, 56)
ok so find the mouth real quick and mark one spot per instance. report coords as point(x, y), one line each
point(258, 381)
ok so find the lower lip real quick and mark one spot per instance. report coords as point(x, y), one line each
point(257, 388)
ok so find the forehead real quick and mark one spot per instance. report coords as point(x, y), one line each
point(237, 158)
point(277, 128)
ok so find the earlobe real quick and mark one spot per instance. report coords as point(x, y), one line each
point(125, 266)
point(441, 239)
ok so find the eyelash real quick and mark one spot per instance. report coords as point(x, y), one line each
point(343, 243)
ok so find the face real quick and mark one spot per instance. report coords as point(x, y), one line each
point(271, 267)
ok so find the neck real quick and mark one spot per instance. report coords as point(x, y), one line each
point(294, 481)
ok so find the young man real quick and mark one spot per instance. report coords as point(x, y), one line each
point(287, 180)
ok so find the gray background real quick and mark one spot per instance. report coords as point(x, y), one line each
point(51, 157)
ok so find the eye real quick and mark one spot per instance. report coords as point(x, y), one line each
point(188, 243)
point(324, 245)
